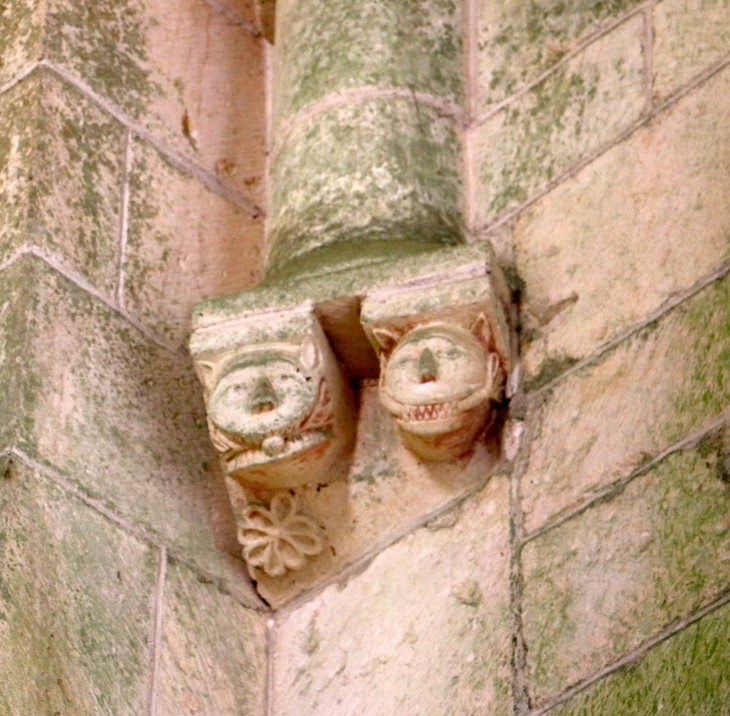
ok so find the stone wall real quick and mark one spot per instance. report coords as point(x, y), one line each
point(590, 574)
point(131, 184)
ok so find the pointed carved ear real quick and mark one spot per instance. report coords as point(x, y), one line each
point(309, 353)
point(386, 339)
point(481, 330)
point(205, 373)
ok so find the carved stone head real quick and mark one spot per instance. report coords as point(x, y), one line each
point(279, 412)
point(439, 381)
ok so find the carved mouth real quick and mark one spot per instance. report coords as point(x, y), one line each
point(434, 411)
point(277, 447)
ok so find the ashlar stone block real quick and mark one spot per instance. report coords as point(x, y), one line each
point(686, 674)
point(76, 604)
point(193, 77)
point(423, 629)
point(600, 423)
point(121, 418)
point(184, 244)
point(518, 41)
point(609, 246)
point(61, 169)
point(580, 107)
point(606, 581)
point(213, 651)
point(689, 35)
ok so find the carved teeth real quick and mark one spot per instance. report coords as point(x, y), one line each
point(433, 411)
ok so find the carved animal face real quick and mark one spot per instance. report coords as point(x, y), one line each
point(270, 407)
point(437, 381)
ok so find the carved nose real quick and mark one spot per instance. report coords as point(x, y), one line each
point(427, 367)
point(264, 397)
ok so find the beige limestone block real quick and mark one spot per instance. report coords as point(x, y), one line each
point(190, 75)
point(602, 422)
point(61, 177)
point(184, 244)
point(123, 419)
point(689, 35)
point(581, 106)
point(640, 224)
point(387, 493)
point(608, 580)
point(213, 651)
point(424, 630)
point(76, 604)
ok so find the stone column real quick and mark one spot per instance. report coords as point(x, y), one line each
point(365, 157)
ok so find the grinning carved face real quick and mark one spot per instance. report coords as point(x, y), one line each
point(437, 381)
point(272, 416)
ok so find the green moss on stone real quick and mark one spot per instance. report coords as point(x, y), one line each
point(607, 580)
point(21, 35)
point(105, 42)
point(376, 171)
point(75, 596)
point(60, 176)
point(520, 40)
point(688, 674)
point(325, 47)
point(119, 416)
point(550, 369)
point(561, 120)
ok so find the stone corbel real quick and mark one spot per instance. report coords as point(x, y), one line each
point(445, 352)
point(280, 413)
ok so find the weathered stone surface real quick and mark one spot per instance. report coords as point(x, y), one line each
point(388, 492)
point(689, 35)
point(324, 47)
point(574, 111)
point(122, 418)
point(184, 244)
point(685, 675)
point(607, 247)
point(424, 629)
point(20, 42)
point(604, 582)
point(193, 76)
point(76, 596)
point(651, 391)
point(245, 9)
point(61, 174)
point(518, 41)
point(376, 171)
point(213, 651)
point(12, 335)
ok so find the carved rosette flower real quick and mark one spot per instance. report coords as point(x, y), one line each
point(280, 537)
